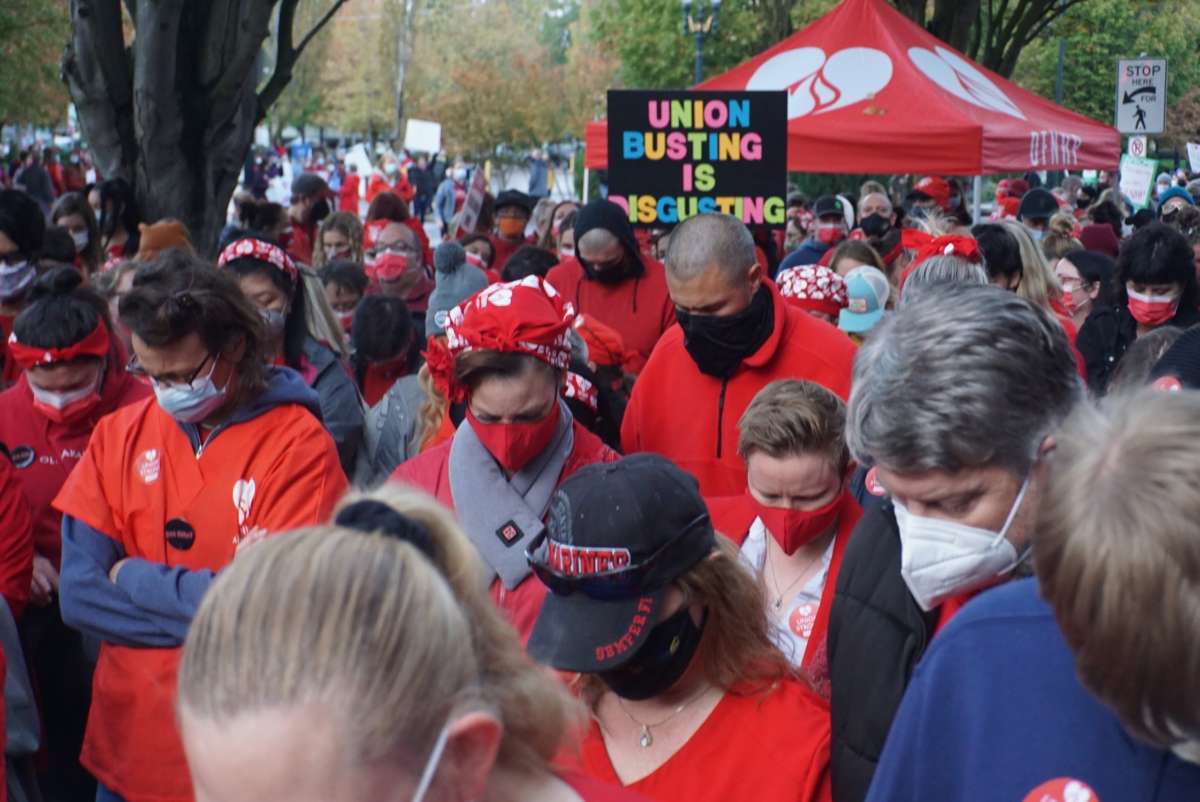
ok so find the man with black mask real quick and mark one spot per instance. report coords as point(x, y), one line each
point(612, 281)
point(310, 205)
point(735, 336)
point(877, 225)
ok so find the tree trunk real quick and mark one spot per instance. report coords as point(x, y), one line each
point(175, 113)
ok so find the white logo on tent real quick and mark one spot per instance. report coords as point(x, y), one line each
point(962, 79)
point(816, 85)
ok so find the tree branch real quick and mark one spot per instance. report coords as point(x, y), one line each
point(287, 54)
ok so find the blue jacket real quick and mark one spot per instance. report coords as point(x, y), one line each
point(809, 253)
point(995, 711)
point(443, 200)
point(151, 604)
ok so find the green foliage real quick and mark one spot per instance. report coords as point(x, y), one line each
point(1098, 33)
point(32, 35)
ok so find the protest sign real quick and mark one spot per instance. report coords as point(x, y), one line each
point(673, 155)
point(1137, 177)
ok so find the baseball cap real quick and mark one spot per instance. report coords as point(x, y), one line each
point(514, 197)
point(827, 204)
point(936, 188)
point(617, 535)
point(1037, 203)
point(868, 289)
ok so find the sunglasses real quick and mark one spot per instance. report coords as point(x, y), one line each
point(625, 582)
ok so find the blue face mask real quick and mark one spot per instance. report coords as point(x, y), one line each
point(191, 403)
point(275, 321)
point(1036, 233)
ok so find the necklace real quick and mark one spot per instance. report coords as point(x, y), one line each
point(646, 739)
point(779, 594)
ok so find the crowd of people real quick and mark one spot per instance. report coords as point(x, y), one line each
point(890, 505)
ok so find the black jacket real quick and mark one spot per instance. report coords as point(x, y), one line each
point(877, 633)
point(1108, 332)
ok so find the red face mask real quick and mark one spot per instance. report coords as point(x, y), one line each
point(514, 445)
point(830, 235)
point(795, 528)
point(1152, 310)
point(65, 407)
point(346, 319)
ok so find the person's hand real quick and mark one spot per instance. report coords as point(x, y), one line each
point(256, 535)
point(45, 581)
point(116, 569)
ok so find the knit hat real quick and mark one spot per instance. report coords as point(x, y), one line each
point(456, 282)
point(1179, 367)
point(813, 288)
point(154, 238)
point(1174, 192)
point(1100, 237)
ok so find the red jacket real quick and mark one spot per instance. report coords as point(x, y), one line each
point(691, 418)
point(430, 471)
point(348, 194)
point(16, 541)
point(45, 452)
point(639, 309)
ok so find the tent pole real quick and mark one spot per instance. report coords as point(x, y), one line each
point(586, 176)
point(977, 200)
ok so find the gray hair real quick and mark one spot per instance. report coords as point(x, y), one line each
point(941, 269)
point(880, 192)
point(963, 376)
point(710, 240)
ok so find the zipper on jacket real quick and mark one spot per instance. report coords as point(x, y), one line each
point(721, 415)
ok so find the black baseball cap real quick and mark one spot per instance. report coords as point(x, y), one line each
point(617, 536)
point(827, 205)
point(1037, 204)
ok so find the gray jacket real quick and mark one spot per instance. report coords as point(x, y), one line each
point(390, 432)
point(341, 404)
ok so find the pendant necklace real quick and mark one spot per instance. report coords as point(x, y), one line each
point(646, 739)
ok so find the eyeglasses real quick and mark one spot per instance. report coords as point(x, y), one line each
point(619, 583)
point(395, 247)
point(134, 367)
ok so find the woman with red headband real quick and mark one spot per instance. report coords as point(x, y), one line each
point(230, 449)
point(505, 358)
point(272, 282)
point(73, 374)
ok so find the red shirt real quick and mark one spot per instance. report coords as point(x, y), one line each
point(348, 194)
point(138, 473)
point(430, 471)
point(753, 748)
point(639, 309)
point(503, 249)
point(11, 371)
point(691, 418)
point(45, 452)
point(16, 541)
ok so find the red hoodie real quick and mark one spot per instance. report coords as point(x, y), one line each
point(430, 471)
point(639, 309)
point(692, 418)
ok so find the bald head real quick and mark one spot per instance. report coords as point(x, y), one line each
point(599, 245)
point(708, 241)
point(874, 203)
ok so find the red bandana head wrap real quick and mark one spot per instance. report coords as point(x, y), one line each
point(518, 317)
point(27, 356)
point(814, 287)
point(250, 248)
point(371, 232)
point(927, 246)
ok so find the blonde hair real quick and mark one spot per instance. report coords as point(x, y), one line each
point(345, 223)
point(736, 653)
point(1118, 559)
point(790, 417)
point(432, 411)
point(1060, 237)
point(1038, 283)
point(391, 641)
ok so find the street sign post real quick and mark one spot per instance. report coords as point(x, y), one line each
point(1141, 95)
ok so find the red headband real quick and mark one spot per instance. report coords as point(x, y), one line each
point(262, 251)
point(519, 317)
point(27, 356)
point(927, 246)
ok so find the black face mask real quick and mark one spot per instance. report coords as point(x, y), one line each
point(875, 225)
point(719, 343)
point(664, 657)
point(628, 268)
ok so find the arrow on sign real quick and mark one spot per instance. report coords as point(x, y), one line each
point(1145, 90)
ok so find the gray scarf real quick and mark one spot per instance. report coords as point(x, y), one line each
point(503, 515)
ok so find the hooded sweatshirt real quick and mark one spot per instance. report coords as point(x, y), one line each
point(151, 491)
point(995, 712)
point(639, 307)
point(691, 418)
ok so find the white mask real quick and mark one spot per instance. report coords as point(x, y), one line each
point(80, 238)
point(940, 558)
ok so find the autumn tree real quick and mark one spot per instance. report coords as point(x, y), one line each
point(305, 100)
point(174, 108)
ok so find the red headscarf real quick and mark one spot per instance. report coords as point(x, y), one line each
point(518, 317)
point(27, 356)
point(814, 287)
point(927, 246)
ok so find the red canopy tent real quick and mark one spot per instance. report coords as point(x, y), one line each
point(870, 91)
